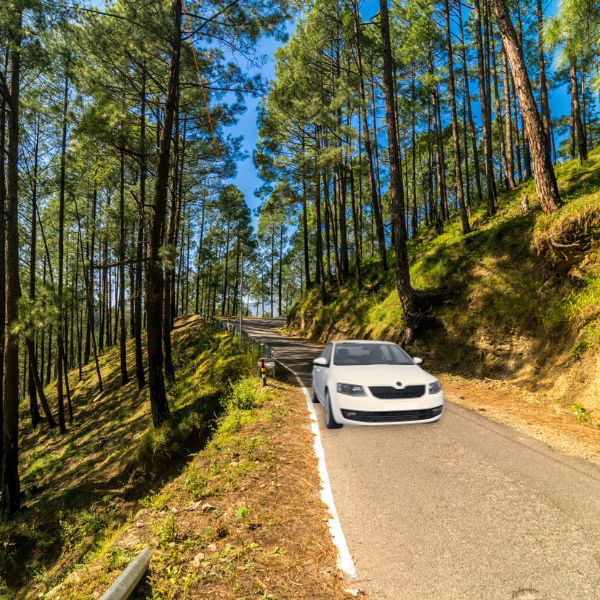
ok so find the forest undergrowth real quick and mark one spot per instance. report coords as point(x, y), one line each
point(80, 488)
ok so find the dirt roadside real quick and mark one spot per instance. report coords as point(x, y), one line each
point(244, 520)
point(526, 412)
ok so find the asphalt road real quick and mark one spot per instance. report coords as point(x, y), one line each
point(462, 508)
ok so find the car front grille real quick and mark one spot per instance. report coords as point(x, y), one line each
point(391, 416)
point(387, 392)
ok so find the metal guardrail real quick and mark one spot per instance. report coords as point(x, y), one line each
point(127, 581)
point(264, 350)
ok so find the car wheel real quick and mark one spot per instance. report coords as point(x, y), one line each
point(315, 399)
point(330, 422)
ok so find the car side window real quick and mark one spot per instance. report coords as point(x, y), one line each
point(327, 352)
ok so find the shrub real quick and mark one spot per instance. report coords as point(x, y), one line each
point(245, 394)
point(580, 412)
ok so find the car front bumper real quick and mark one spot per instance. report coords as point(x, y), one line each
point(367, 410)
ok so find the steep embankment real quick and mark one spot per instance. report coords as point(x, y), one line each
point(80, 486)
point(524, 307)
point(226, 494)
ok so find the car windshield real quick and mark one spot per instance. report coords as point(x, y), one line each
point(370, 354)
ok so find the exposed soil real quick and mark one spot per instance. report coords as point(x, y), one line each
point(528, 412)
point(256, 529)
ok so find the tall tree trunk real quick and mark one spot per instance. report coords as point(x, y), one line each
point(198, 303)
point(123, 332)
point(42, 342)
point(139, 254)
point(376, 207)
point(226, 272)
point(139, 355)
point(455, 133)
point(356, 228)
point(305, 247)
point(91, 320)
point(441, 162)
point(485, 110)
point(516, 123)
point(280, 275)
point(35, 385)
point(131, 274)
point(545, 180)
point(526, 150)
point(185, 300)
point(579, 135)
point(154, 274)
point(33, 406)
point(470, 111)
point(320, 276)
point(342, 209)
point(11, 492)
point(104, 285)
point(375, 138)
point(89, 296)
point(508, 138)
point(333, 221)
point(466, 147)
point(3, 114)
point(415, 216)
point(488, 80)
point(342, 223)
point(272, 311)
point(60, 353)
point(545, 104)
point(403, 285)
point(66, 364)
point(169, 268)
point(499, 117)
point(327, 226)
point(50, 361)
point(584, 115)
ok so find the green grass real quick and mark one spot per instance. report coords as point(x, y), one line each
point(112, 457)
point(506, 279)
point(212, 471)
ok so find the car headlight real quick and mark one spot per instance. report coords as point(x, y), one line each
point(435, 387)
point(350, 389)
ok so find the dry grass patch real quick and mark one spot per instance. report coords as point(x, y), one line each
point(548, 419)
point(244, 520)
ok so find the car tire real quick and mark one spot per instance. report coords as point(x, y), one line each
point(330, 421)
point(315, 399)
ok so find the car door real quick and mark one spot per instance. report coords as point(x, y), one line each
point(320, 373)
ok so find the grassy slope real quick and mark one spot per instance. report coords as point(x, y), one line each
point(90, 480)
point(242, 520)
point(523, 308)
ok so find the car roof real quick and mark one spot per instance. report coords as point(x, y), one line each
point(361, 342)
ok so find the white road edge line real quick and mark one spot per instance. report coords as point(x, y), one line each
point(344, 559)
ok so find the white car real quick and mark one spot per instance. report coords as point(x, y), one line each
point(374, 383)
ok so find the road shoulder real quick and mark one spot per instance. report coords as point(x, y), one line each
point(512, 406)
point(243, 520)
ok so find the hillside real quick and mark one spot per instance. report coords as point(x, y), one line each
point(86, 493)
point(523, 307)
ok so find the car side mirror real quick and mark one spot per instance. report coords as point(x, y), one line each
point(321, 362)
point(417, 360)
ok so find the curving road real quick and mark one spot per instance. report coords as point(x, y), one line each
point(462, 508)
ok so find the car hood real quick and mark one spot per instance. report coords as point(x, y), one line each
point(382, 375)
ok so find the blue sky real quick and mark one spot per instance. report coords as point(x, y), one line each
point(247, 179)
